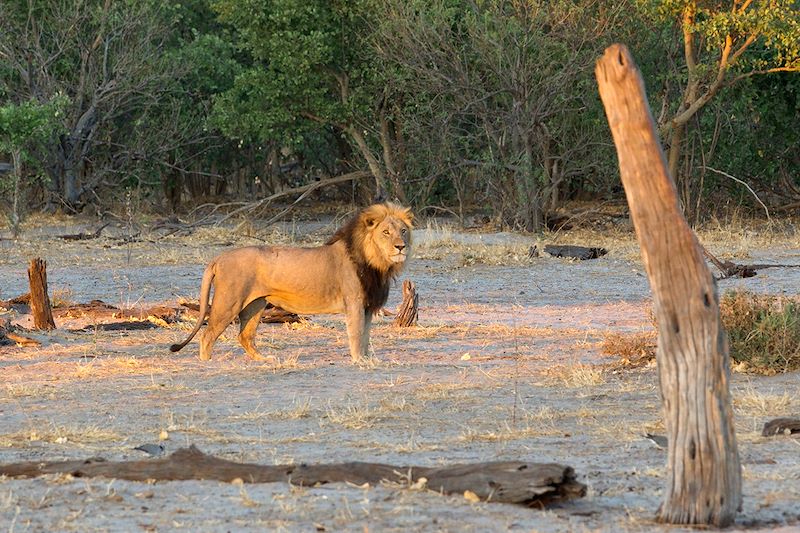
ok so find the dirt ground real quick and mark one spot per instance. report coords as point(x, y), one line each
point(506, 363)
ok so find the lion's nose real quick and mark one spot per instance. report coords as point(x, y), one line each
point(400, 247)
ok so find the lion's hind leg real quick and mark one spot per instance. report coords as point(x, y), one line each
point(249, 318)
point(221, 315)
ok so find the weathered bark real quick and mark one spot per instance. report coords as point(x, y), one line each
point(408, 312)
point(506, 481)
point(40, 300)
point(15, 218)
point(703, 484)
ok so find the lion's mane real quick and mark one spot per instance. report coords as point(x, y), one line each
point(375, 272)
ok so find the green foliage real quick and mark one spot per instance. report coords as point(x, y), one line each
point(23, 126)
point(27, 126)
point(502, 93)
point(308, 65)
point(718, 47)
point(763, 331)
point(751, 131)
point(773, 25)
point(459, 103)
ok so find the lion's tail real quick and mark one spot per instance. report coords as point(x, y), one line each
point(205, 292)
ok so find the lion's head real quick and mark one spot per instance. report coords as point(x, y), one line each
point(378, 239)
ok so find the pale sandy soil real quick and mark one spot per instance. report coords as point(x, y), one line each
point(506, 364)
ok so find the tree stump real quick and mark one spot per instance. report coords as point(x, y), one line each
point(703, 483)
point(40, 300)
point(408, 312)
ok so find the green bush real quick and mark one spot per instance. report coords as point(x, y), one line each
point(763, 330)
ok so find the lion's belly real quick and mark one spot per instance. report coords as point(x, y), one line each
point(305, 304)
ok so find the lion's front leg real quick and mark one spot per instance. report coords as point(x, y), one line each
point(357, 332)
point(365, 334)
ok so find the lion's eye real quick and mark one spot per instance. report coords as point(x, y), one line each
point(386, 232)
point(404, 231)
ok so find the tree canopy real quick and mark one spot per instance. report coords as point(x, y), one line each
point(485, 105)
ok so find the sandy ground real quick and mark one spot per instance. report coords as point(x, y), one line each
point(505, 364)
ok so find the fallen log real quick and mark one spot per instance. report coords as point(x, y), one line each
point(271, 315)
point(729, 269)
point(582, 253)
point(20, 304)
point(503, 481)
point(9, 335)
point(98, 309)
point(781, 426)
point(84, 236)
point(125, 325)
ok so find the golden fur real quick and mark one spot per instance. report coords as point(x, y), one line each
point(349, 274)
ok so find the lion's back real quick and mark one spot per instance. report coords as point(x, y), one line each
point(301, 280)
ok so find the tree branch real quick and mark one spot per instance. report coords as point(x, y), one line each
point(304, 191)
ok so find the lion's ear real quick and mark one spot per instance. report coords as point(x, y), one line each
point(409, 215)
point(370, 221)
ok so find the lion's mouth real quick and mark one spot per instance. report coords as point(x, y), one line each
point(399, 257)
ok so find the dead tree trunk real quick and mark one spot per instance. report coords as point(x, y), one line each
point(703, 483)
point(40, 300)
point(408, 312)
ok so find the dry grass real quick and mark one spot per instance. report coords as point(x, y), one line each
point(53, 433)
point(751, 402)
point(443, 391)
point(441, 242)
point(29, 390)
point(507, 432)
point(736, 234)
point(298, 410)
point(62, 297)
point(633, 350)
point(575, 375)
point(352, 416)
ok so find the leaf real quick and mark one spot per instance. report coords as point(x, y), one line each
point(471, 496)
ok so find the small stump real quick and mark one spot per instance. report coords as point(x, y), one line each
point(40, 300)
point(408, 312)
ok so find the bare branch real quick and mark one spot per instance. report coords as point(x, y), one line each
point(737, 180)
point(304, 191)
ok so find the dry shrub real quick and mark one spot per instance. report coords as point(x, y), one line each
point(62, 298)
point(763, 330)
point(633, 349)
point(575, 375)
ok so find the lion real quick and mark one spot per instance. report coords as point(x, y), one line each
point(349, 274)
